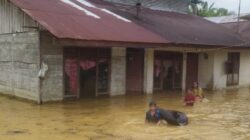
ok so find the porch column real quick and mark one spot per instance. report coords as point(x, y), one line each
point(184, 71)
point(118, 72)
point(149, 71)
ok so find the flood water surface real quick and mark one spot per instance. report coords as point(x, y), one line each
point(226, 116)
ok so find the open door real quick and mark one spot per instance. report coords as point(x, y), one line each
point(167, 70)
point(233, 69)
point(192, 69)
point(86, 72)
point(70, 73)
point(135, 71)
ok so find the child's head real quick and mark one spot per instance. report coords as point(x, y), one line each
point(152, 105)
point(189, 91)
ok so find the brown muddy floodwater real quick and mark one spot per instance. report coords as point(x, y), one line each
point(225, 117)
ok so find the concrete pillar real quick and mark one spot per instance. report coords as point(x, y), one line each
point(184, 71)
point(118, 72)
point(149, 71)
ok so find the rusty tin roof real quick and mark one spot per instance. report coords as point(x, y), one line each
point(181, 28)
point(103, 21)
point(80, 19)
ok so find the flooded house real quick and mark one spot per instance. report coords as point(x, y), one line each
point(54, 50)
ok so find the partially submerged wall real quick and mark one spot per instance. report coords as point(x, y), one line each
point(212, 71)
point(51, 55)
point(19, 64)
point(244, 79)
point(118, 71)
point(205, 70)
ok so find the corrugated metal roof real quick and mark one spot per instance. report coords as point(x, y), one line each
point(182, 28)
point(79, 19)
point(165, 5)
point(243, 28)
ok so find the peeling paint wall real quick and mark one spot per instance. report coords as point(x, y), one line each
point(19, 64)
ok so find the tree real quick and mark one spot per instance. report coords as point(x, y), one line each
point(193, 7)
point(201, 8)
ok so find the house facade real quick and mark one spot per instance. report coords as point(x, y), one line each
point(50, 55)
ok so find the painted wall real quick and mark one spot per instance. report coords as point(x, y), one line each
point(244, 80)
point(118, 71)
point(219, 75)
point(52, 55)
point(205, 70)
point(19, 65)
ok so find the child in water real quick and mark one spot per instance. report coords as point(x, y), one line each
point(198, 92)
point(189, 98)
point(156, 115)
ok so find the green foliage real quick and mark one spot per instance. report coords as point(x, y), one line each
point(201, 8)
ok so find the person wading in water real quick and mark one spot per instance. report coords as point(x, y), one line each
point(156, 115)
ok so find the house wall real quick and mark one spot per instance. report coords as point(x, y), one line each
point(14, 19)
point(244, 80)
point(205, 70)
point(52, 55)
point(212, 70)
point(19, 65)
point(118, 71)
point(219, 75)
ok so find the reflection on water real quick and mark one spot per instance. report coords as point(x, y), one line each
point(226, 116)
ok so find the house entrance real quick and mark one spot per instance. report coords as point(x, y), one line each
point(167, 70)
point(86, 72)
point(135, 71)
point(233, 67)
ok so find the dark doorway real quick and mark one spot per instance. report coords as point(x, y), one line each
point(192, 69)
point(86, 72)
point(103, 77)
point(135, 71)
point(88, 81)
point(167, 70)
point(233, 67)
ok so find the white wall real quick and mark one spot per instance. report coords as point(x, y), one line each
point(219, 75)
point(244, 69)
point(205, 70)
point(220, 78)
point(118, 71)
